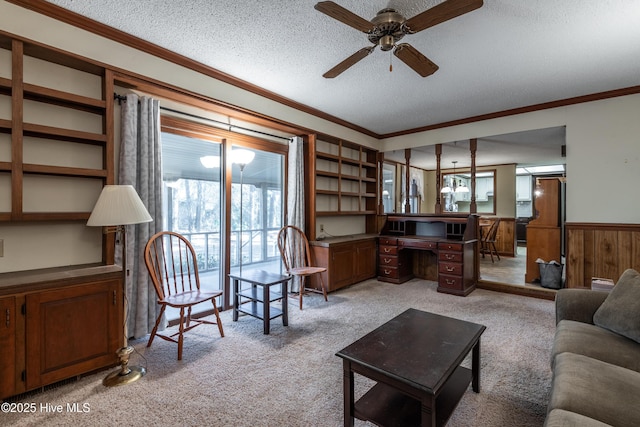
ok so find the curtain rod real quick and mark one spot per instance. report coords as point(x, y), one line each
point(122, 98)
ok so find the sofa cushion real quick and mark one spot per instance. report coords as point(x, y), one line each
point(595, 389)
point(562, 418)
point(620, 312)
point(596, 342)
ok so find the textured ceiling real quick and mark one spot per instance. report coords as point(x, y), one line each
point(507, 54)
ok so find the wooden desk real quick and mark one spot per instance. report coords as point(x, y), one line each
point(451, 245)
point(258, 304)
point(417, 384)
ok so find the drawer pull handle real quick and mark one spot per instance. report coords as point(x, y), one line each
point(450, 269)
point(449, 247)
point(450, 282)
point(387, 250)
point(387, 260)
point(387, 272)
point(449, 256)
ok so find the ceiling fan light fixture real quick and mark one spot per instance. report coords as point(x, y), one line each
point(387, 43)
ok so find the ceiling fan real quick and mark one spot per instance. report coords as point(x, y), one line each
point(388, 27)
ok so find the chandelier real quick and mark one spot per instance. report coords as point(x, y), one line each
point(455, 186)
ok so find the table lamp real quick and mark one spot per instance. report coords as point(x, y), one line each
point(117, 207)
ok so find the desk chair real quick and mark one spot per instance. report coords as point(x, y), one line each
point(489, 240)
point(296, 257)
point(171, 262)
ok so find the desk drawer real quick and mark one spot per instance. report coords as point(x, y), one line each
point(450, 256)
point(451, 282)
point(388, 272)
point(387, 261)
point(445, 246)
point(452, 268)
point(387, 241)
point(388, 250)
point(417, 244)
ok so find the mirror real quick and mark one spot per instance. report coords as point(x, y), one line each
point(456, 192)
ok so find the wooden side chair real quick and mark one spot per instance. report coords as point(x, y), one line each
point(489, 240)
point(172, 265)
point(296, 257)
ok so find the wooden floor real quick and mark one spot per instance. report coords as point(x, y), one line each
point(507, 275)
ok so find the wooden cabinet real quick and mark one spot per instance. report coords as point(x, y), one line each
point(348, 260)
point(60, 146)
point(8, 345)
point(58, 323)
point(544, 232)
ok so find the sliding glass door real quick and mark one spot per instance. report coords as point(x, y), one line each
point(257, 211)
point(193, 203)
point(200, 188)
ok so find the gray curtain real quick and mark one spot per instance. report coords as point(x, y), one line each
point(141, 167)
point(295, 190)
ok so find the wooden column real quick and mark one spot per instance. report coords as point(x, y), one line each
point(380, 182)
point(438, 209)
point(473, 146)
point(407, 158)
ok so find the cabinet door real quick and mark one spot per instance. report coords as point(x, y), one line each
point(7, 346)
point(342, 266)
point(73, 330)
point(365, 261)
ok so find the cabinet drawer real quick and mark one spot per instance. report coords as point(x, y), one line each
point(389, 272)
point(453, 282)
point(388, 241)
point(450, 256)
point(450, 246)
point(388, 250)
point(453, 268)
point(387, 261)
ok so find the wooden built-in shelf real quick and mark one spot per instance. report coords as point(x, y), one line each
point(350, 171)
point(45, 91)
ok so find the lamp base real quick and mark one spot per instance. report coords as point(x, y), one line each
point(127, 374)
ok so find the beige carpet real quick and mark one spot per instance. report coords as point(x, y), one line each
point(292, 376)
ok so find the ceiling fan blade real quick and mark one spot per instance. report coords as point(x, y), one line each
point(446, 10)
point(414, 59)
point(343, 15)
point(352, 60)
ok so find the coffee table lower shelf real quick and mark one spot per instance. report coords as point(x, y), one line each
point(384, 405)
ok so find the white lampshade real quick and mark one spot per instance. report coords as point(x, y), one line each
point(118, 205)
point(462, 189)
point(446, 189)
point(242, 157)
point(210, 162)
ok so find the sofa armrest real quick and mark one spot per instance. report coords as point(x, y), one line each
point(578, 304)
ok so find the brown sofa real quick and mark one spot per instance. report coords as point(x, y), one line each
point(596, 356)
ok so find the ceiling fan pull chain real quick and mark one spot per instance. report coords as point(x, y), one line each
point(390, 62)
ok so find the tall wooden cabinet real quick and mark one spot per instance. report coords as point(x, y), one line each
point(58, 323)
point(544, 232)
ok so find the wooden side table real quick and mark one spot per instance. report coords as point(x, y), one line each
point(258, 304)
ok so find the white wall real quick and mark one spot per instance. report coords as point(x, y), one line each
point(603, 153)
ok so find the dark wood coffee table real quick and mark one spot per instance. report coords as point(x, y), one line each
point(415, 359)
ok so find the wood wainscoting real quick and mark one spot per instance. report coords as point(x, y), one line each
point(600, 250)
